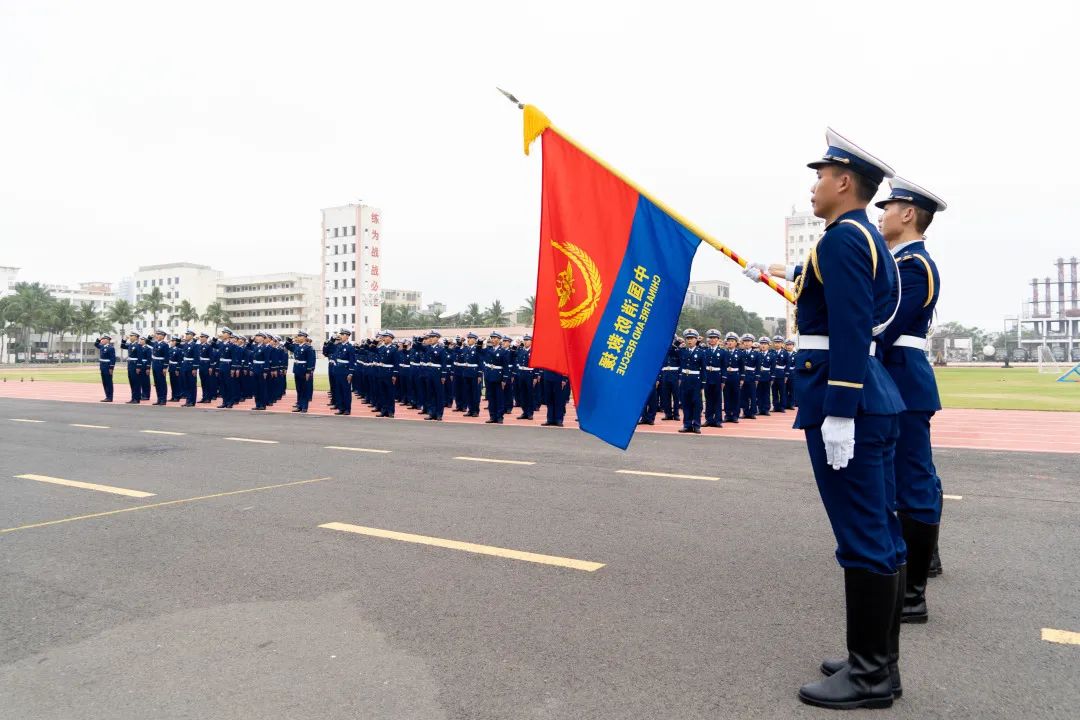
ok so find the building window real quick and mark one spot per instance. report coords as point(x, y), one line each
point(335, 267)
point(352, 229)
point(353, 265)
point(353, 321)
point(353, 248)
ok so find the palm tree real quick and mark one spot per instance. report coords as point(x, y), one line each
point(120, 313)
point(153, 305)
point(87, 320)
point(61, 322)
point(215, 315)
point(28, 309)
point(527, 312)
point(473, 314)
point(185, 313)
point(495, 314)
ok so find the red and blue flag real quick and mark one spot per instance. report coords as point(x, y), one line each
point(612, 277)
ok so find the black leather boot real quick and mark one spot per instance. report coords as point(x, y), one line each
point(864, 681)
point(921, 539)
point(835, 665)
point(935, 563)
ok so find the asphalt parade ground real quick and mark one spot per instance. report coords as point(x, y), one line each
point(230, 564)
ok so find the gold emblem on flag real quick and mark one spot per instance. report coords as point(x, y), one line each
point(567, 284)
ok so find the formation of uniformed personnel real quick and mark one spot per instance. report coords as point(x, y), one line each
point(846, 297)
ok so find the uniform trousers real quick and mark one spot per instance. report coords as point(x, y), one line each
point(438, 396)
point(749, 397)
point(764, 394)
point(525, 398)
point(652, 405)
point(159, 382)
point(779, 390)
point(789, 386)
point(669, 395)
point(860, 498)
point(918, 487)
point(471, 393)
point(207, 381)
point(145, 382)
point(135, 382)
point(732, 396)
point(555, 400)
point(174, 382)
point(496, 401)
point(342, 390)
point(260, 389)
point(106, 380)
point(303, 389)
point(690, 398)
point(386, 394)
point(714, 392)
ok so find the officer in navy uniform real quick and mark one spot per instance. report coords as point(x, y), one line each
point(496, 376)
point(669, 381)
point(175, 353)
point(303, 370)
point(344, 362)
point(227, 372)
point(846, 296)
point(259, 358)
point(908, 211)
point(159, 360)
point(206, 361)
point(189, 368)
point(134, 366)
point(526, 379)
point(556, 393)
point(389, 360)
point(765, 375)
point(471, 369)
point(652, 403)
point(146, 353)
point(733, 378)
point(751, 366)
point(106, 363)
point(439, 370)
point(511, 370)
point(781, 359)
point(716, 358)
point(691, 370)
point(789, 376)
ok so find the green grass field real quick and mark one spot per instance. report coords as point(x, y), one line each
point(987, 388)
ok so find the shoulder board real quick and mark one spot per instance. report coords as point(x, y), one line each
point(869, 239)
point(929, 275)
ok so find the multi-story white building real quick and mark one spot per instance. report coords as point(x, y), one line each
point(198, 284)
point(352, 268)
point(412, 299)
point(125, 289)
point(802, 230)
point(281, 303)
point(700, 293)
point(7, 279)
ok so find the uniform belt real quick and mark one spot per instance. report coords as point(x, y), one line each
point(389, 365)
point(299, 362)
point(225, 360)
point(780, 367)
point(468, 365)
point(258, 362)
point(104, 360)
point(911, 341)
point(690, 372)
point(524, 367)
point(405, 365)
point(155, 357)
point(733, 370)
point(669, 367)
point(714, 369)
point(821, 342)
point(343, 362)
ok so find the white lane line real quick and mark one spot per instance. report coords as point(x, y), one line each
point(95, 427)
point(493, 460)
point(87, 486)
point(667, 475)
point(264, 442)
point(953, 497)
point(467, 547)
point(352, 449)
point(162, 432)
point(25, 420)
point(1063, 637)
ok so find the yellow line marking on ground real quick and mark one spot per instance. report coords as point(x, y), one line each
point(160, 504)
point(352, 449)
point(493, 460)
point(668, 475)
point(96, 427)
point(162, 432)
point(264, 442)
point(467, 547)
point(86, 485)
point(25, 420)
point(1064, 637)
point(953, 497)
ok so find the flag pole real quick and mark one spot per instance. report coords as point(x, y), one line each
point(536, 123)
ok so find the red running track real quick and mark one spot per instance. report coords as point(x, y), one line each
point(1001, 430)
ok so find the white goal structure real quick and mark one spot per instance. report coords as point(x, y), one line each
point(1047, 363)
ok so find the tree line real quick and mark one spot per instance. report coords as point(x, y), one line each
point(402, 317)
point(32, 309)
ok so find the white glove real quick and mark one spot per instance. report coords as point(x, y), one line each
point(839, 436)
point(754, 270)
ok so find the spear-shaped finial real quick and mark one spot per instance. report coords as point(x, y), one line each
point(511, 98)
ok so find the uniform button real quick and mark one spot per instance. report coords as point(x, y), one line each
point(808, 365)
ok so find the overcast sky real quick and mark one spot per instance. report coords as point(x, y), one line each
point(213, 132)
